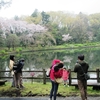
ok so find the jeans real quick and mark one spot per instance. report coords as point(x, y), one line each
point(54, 90)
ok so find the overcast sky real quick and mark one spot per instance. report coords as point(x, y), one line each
point(27, 7)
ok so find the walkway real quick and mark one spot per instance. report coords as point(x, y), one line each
point(46, 98)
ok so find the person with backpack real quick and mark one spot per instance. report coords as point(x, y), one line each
point(55, 72)
point(80, 66)
point(18, 73)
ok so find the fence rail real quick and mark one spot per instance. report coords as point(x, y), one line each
point(44, 78)
point(93, 81)
point(71, 76)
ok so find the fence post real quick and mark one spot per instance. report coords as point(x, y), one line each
point(97, 70)
point(69, 76)
point(44, 76)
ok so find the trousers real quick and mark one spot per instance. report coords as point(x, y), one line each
point(82, 84)
point(18, 80)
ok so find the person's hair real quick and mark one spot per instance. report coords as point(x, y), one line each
point(60, 65)
point(56, 68)
point(12, 57)
point(81, 57)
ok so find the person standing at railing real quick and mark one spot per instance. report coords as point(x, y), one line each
point(82, 83)
point(11, 65)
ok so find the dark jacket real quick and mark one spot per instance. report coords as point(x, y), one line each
point(78, 69)
point(18, 67)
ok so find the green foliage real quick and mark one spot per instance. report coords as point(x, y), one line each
point(35, 13)
point(6, 50)
point(30, 19)
point(45, 17)
point(3, 52)
point(12, 41)
point(18, 50)
point(81, 27)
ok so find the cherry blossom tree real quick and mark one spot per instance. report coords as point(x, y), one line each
point(66, 37)
point(25, 31)
point(19, 26)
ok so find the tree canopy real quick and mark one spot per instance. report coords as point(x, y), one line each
point(51, 28)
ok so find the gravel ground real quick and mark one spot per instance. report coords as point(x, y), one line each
point(46, 98)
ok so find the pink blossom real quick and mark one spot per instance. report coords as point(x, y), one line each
point(32, 74)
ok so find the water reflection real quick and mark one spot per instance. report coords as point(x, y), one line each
point(42, 59)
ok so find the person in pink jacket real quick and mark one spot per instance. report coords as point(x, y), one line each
point(56, 72)
point(54, 63)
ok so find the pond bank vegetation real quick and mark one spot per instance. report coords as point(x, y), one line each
point(73, 47)
point(40, 89)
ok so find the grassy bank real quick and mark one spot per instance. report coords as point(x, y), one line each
point(5, 50)
point(40, 89)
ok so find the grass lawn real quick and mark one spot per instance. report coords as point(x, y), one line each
point(40, 89)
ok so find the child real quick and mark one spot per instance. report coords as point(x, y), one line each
point(65, 76)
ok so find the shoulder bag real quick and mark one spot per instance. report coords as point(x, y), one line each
point(85, 76)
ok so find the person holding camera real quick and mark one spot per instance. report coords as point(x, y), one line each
point(18, 73)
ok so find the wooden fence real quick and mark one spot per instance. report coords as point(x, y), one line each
point(43, 74)
point(72, 77)
point(93, 81)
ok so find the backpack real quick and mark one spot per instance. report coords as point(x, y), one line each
point(18, 65)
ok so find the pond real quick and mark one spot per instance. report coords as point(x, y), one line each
point(39, 60)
